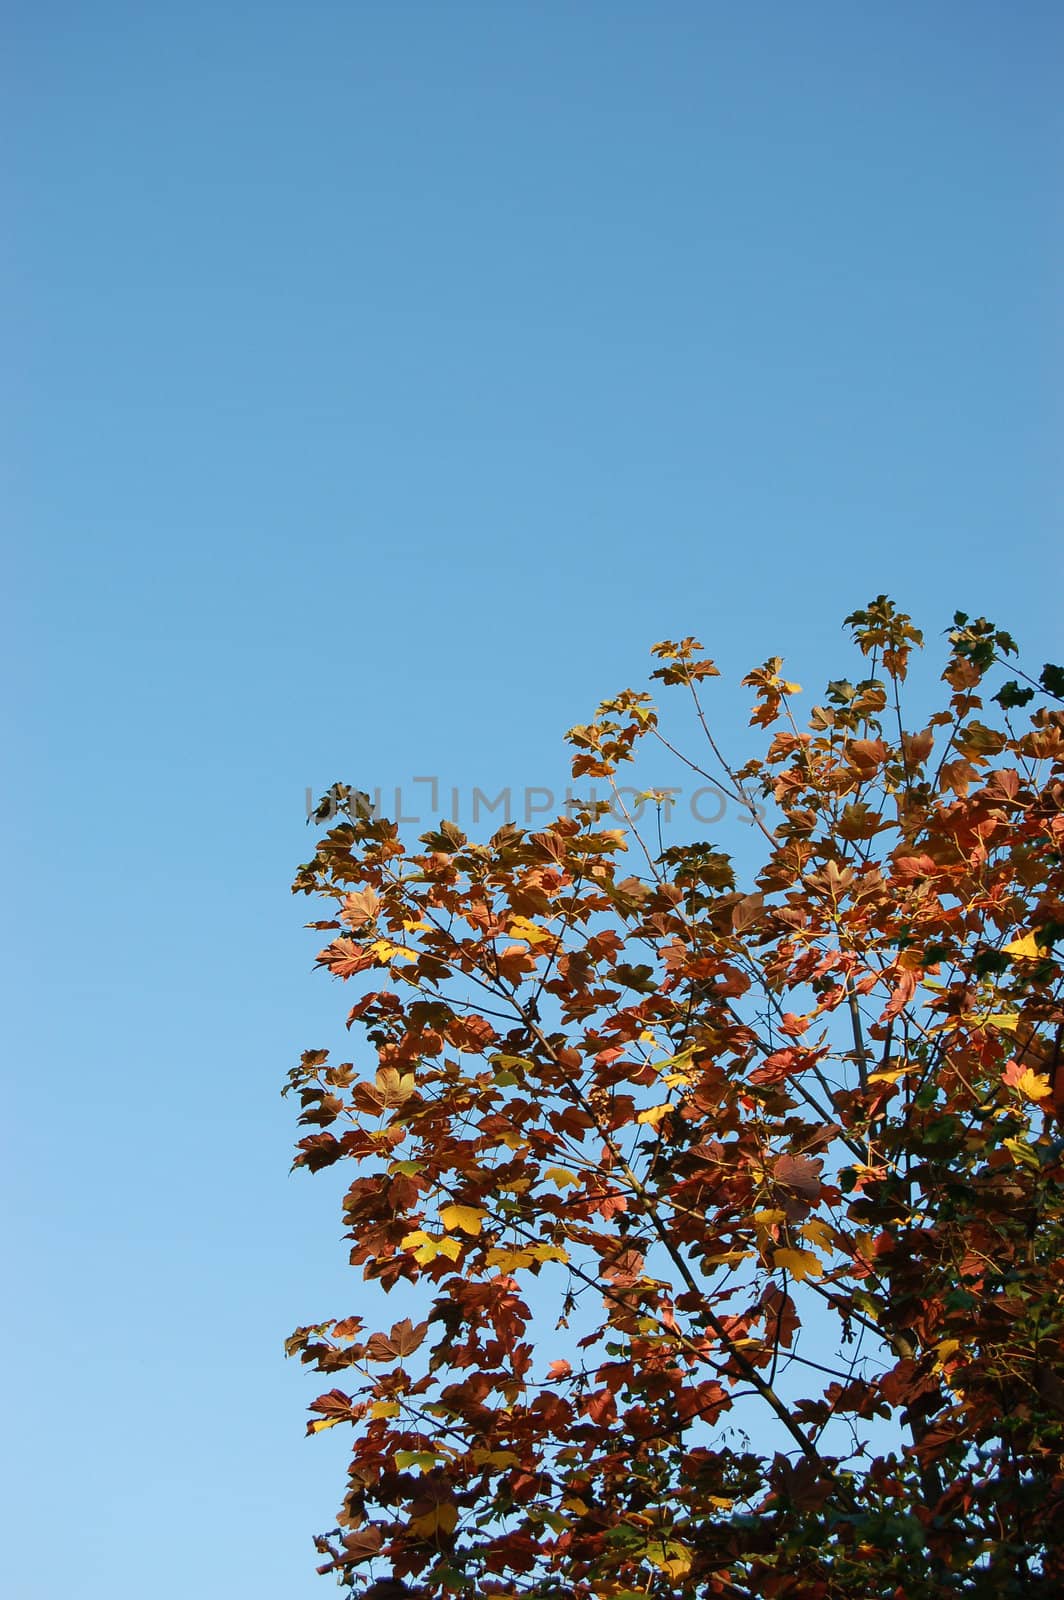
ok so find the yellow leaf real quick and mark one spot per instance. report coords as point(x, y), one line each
point(429, 1248)
point(1028, 946)
point(521, 928)
point(769, 1219)
point(562, 1178)
point(819, 1232)
point(508, 1260)
point(424, 1460)
point(325, 1422)
point(1023, 1152)
point(670, 1557)
point(1006, 1020)
point(384, 950)
point(384, 1408)
point(410, 1240)
point(1032, 1085)
point(892, 1076)
point(653, 1114)
point(548, 1252)
point(467, 1218)
point(418, 926)
point(441, 1518)
point(800, 1264)
point(676, 1062)
point(728, 1258)
point(494, 1458)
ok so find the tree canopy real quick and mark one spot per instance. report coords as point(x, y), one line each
point(720, 1209)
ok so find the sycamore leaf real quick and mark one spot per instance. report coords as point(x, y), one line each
point(508, 1260)
point(320, 1423)
point(800, 1173)
point(726, 1259)
point(402, 1341)
point(442, 1518)
point(559, 1176)
point(410, 1240)
point(1031, 1085)
point(359, 906)
point(548, 1252)
point(522, 928)
point(653, 1114)
point(670, 1557)
point(385, 951)
point(511, 1260)
point(424, 1460)
point(384, 1408)
point(1028, 947)
point(1023, 1153)
point(819, 1232)
point(467, 1218)
point(426, 1248)
point(801, 1264)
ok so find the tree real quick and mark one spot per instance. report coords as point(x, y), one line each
point(650, 1158)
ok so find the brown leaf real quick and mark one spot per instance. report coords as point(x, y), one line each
point(800, 1173)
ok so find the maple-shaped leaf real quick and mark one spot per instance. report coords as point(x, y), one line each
point(441, 1517)
point(402, 1341)
point(380, 1410)
point(670, 1557)
point(561, 1177)
point(426, 1247)
point(801, 1264)
point(361, 1545)
point(345, 958)
point(654, 1114)
point(800, 1173)
point(508, 1260)
point(348, 1328)
point(472, 1034)
point(1031, 1085)
point(522, 928)
point(466, 1218)
point(384, 951)
point(360, 906)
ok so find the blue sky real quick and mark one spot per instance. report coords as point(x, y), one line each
point(381, 381)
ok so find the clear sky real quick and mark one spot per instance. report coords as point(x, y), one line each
point(381, 380)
